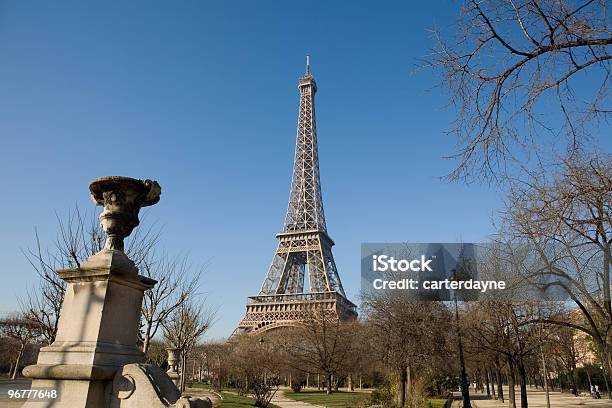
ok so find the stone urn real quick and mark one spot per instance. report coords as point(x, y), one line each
point(122, 198)
point(173, 359)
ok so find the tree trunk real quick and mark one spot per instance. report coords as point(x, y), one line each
point(522, 382)
point(549, 381)
point(607, 385)
point(146, 341)
point(328, 381)
point(511, 383)
point(19, 355)
point(183, 371)
point(401, 400)
point(606, 352)
point(572, 376)
point(500, 389)
point(408, 382)
point(486, 378)
point(465, 387)
point(492, 381)
point(606, 360)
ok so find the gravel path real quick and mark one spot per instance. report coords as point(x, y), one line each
point(537, 399)
point(284, 402)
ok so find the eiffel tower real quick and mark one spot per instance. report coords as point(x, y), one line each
point(304, 247)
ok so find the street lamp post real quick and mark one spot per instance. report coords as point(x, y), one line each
point(465, 389)
point(261, 344)
point(545, 369)
point(219, 373)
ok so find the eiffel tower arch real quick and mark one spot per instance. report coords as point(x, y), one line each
point(304, 248)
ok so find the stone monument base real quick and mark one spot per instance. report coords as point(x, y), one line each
point(94, 361)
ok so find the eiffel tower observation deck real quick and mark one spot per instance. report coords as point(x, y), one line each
point(304, 248)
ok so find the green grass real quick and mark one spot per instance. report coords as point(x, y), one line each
point(436, 402)
point(335, 400)
point(201, 385)
point(231, 400)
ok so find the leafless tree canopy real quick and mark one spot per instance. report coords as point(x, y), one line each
point(322, 344)
point(566, 218)
point(185, 327)
point(407, 335)
point(498, 326)
point(256, 363)
point(23, 331)
point(511, 72)
point(175, 285)
point(79, 237)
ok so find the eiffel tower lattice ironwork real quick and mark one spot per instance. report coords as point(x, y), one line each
point(304, 248)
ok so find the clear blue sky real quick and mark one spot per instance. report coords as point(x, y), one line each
point(202, 97)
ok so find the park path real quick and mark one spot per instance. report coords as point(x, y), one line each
point(203, 393)
point(537, 399)
point(284, 402)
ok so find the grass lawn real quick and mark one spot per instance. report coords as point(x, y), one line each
point(200, 385)
point(231, 400)
point(437, 402)
point(335, 400)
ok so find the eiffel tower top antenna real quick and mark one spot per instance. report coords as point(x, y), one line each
point(307, 64)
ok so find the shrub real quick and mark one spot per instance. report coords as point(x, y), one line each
point(383, 396)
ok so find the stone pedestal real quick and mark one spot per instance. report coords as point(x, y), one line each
point(97, 332)
point(99, 319)
point(94, 361)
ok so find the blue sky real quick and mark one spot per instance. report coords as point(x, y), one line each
point(202, 97)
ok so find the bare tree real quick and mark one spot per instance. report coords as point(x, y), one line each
point(360, 360)
point(566, 218)
point(22, 330)
point(407, 334)
point(175, 285)
point(200, 357)
point(321, 345)
point(79, 237)
point(563, 347)
point(256, 363)
point(43, 305)
point(185, 327)
point(510, 58)
point(499, 326)
point(157, 353)
point(215, 357)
